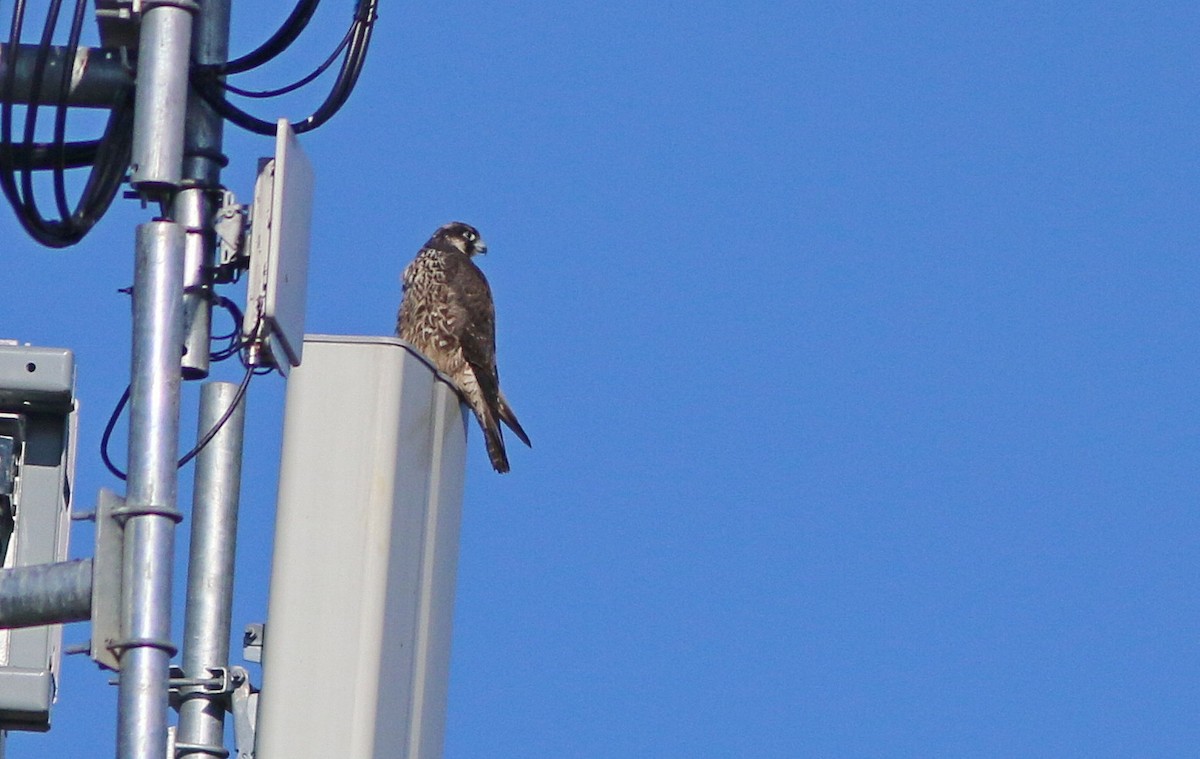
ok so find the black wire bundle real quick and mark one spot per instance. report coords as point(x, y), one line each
point(108, 156)
point(209, 80)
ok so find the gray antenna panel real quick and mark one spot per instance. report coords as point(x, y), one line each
point(277, 293)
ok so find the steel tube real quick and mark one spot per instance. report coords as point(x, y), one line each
point(99, 79)
point(195, 213)
point(161, 98)
point(46, 594)
point(203, 160)
point(151, 496)
point(195, 206)
point(210, 566)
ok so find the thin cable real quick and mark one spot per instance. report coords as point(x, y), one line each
point(281, 40)
point(238, 396)
point(236, 342)
point(208, 436)
point(8, 180)
point(204, 441)
point(60, 113)
point(233, 349)
point(235, 313)
point(108, 430)
point(35, 91)
point(294, 85)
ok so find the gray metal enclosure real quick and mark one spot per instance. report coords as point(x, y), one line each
point(357, 645)
point(37, 421)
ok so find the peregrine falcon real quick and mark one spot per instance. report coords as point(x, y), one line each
point(447, 313)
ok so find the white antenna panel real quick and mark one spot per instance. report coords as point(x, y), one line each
point(277, 292)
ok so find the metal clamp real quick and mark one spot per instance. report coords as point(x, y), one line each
point(126, 512)
point(222, 682)
point(191, 6)
point(120, 646)
point(244, 705)
point(252, 641)
point(240, 697)
point(229, 226)
point(182, 749)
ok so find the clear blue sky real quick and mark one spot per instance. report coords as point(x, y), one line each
point(857, 343)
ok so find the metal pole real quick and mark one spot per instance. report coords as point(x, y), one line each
point(150, 503)
point(164, 47)
point(195, 212)
point(202, 159)
point(164, 50)
point(218, 466)
point(46, 594)
point(102, 80)
point(210, 571)
point(196, 206)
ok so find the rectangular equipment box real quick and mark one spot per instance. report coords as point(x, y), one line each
point(37, 437)
point(357, 644)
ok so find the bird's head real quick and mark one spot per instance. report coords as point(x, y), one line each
point(458, 236)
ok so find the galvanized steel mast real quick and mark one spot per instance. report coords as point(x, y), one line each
point(176, 162)
point(218, 466)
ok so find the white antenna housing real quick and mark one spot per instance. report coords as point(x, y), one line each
point(277, 292)
point(356, 655)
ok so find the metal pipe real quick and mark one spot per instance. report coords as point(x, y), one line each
point(195, 213)
point(210, 567)
point(46, 594)
point(164, 46)
point(202, 159)
point(196, 206)
point(150, 502)
point(99, 79)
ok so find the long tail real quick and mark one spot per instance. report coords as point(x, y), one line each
point(505, 412)
point(495, 447)
point(492, 436)
point(489, 406)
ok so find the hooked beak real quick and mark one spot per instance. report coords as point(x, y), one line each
point(481, 247)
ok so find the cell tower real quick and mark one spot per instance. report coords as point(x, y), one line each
point(371, 685)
